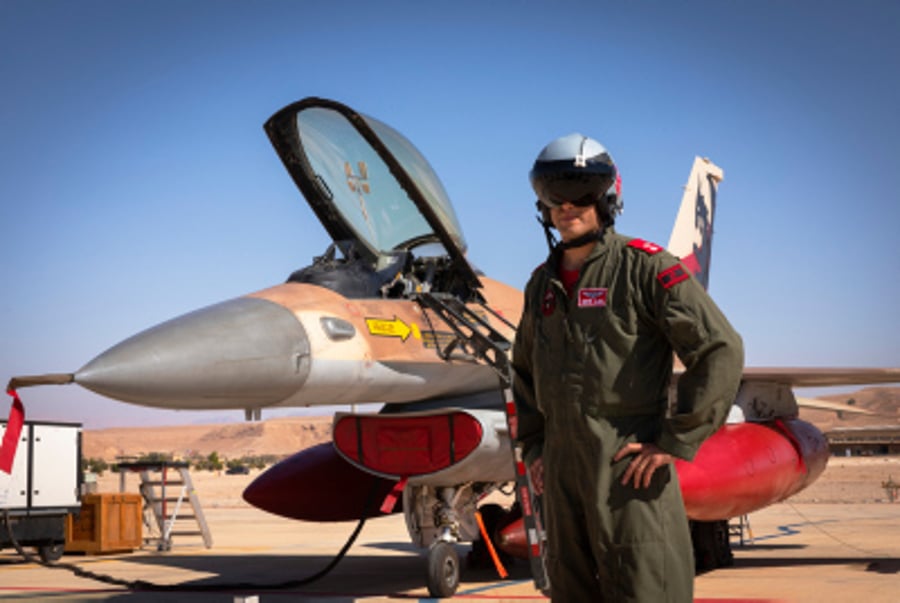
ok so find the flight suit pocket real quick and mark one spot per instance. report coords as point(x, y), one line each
point(639, 574)
point(637, 513)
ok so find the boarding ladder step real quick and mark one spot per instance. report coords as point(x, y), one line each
point(473, 335)
point(164, 499)
point(476, 338)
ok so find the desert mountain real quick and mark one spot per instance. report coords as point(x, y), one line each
point(284, 436)
point(884, 402)
point(279, 437)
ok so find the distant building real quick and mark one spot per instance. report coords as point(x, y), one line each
point(864, 441)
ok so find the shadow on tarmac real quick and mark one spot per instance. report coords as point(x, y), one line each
point(269, 576)
point(768, 547)
point(879, 565)
point(884, 566)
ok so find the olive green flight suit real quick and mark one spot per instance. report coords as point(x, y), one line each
point(592, 372)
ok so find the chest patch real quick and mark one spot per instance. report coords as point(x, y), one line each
point(549, 303)
point(592, 297)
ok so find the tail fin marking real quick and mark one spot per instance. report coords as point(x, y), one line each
point(691, 239)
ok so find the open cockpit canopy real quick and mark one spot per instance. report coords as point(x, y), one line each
point(371, 187)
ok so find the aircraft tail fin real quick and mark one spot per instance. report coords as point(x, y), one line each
point(691, 239)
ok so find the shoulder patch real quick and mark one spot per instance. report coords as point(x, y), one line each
point(645, 246)
point(670, 277)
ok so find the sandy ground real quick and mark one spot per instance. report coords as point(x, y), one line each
point(837, 541)
point(853, 480)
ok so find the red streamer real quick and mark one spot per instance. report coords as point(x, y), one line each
point(13, 431)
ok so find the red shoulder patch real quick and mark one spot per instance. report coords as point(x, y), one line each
point(645, 246)
point(670, 277)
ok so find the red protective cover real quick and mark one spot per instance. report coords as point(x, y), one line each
point(405, 446)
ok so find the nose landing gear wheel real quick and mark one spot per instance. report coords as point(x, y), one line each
point(443, 570)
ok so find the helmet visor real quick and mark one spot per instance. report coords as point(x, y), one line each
point(559, 182)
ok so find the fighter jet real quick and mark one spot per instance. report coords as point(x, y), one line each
point(393, 313)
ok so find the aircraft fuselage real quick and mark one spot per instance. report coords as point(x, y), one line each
point(296, 344)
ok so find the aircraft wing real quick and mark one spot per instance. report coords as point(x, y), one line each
point(767, 393)
point(813, 376)
point(838, 407)
point(822, 377)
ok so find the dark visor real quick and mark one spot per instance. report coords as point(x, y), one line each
point(558, 182)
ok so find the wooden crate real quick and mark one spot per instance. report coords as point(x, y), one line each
point(108, 522)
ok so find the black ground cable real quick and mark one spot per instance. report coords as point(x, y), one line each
point(142, 585)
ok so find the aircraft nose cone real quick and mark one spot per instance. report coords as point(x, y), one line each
point(242, 353)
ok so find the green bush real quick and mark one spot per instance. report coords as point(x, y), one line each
point(93, 465)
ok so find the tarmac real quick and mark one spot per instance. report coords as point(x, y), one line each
point(791, 553)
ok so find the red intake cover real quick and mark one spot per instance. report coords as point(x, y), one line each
point(407, 445)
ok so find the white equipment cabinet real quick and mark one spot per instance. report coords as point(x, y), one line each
point(44, 487)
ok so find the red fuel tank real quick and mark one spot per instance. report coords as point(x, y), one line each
point(317, 484)
point(747, 466)
point(741, 468)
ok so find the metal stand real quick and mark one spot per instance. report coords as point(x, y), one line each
point(739, 527)
point(159, 501)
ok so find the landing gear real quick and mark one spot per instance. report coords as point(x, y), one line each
point(439, 518)
point(495, 518)
point(712, 548)
point(443, 569)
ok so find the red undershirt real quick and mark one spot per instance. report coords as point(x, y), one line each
point(569, 278)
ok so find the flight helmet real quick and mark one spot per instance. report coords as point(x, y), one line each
point(579, 170)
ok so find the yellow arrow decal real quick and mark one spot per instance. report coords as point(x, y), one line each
point(391, 328)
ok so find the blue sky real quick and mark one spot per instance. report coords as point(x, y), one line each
point(136, 183)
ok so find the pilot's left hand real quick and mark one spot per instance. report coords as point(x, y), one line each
point(648, 458)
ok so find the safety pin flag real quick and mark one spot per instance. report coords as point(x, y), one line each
point(13, 431)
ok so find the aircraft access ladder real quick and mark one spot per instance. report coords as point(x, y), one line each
point(476, 338)
point(164, 507)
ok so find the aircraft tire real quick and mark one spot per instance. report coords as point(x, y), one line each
point(443, 570)
point(712, 548)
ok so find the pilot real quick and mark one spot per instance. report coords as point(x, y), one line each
point(593, 360)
